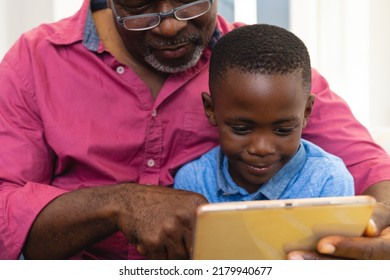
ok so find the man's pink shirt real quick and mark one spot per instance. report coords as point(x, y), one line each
point(71, 118)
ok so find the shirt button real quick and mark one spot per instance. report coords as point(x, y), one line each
point(151, 163)
point(120, 69)
point(154, 113)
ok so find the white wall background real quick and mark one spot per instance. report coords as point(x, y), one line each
point(19, 16)
point(349, 43)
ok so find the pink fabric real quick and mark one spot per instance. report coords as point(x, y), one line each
point(333, 127)
point(71, 118)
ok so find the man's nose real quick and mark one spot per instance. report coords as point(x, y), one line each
point(170, 27)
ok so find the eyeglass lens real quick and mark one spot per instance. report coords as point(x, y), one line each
point(186, 12)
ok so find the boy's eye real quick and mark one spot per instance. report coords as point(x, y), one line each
point(240, 130)
point(284, 130)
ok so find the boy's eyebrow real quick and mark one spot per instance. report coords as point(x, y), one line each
point(240, 119)
point(250, 121)
point(286, 119)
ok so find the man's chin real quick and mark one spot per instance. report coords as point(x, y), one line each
point(178, 67)
point(171, 69)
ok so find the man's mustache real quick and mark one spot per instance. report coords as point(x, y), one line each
point(196, 40)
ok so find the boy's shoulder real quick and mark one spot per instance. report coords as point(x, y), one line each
point(207, 160)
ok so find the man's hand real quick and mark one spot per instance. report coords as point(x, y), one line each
point(159, 220)
point(374, 245)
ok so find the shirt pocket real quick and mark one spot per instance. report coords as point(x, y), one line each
point(199, 134)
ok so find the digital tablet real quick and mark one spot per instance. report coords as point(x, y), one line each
point(271, 229)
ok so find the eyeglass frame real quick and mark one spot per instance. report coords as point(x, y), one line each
point(161, 15)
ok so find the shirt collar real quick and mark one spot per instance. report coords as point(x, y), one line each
point(91, 38)
point(273, 189)
point(70, 30)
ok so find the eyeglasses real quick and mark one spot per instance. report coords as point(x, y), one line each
point(148, 21)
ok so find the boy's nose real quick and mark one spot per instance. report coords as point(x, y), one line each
point(261, 146)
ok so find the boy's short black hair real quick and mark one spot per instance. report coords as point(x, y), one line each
point(260, 48)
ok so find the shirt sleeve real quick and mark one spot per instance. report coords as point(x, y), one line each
point(25, 161)
point(333, 127)
point(339, 182)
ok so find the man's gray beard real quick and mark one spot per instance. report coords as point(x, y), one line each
point(152, 61)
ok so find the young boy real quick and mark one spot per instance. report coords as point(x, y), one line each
point(260, 82)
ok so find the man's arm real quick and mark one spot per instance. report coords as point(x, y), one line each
point(381, 215)
point(158, 220)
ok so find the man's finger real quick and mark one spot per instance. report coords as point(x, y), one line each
point(380, 219)
point(363, 248)
point(308, 255)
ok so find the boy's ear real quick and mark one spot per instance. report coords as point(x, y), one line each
point(208, 106)
point(308, 108)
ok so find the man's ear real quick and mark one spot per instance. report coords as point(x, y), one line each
point(208, 106)
point(308, 108)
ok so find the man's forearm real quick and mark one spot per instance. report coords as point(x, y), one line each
point(381, 192)
point(381, 216)
point(157, 220)
point(71, 223)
